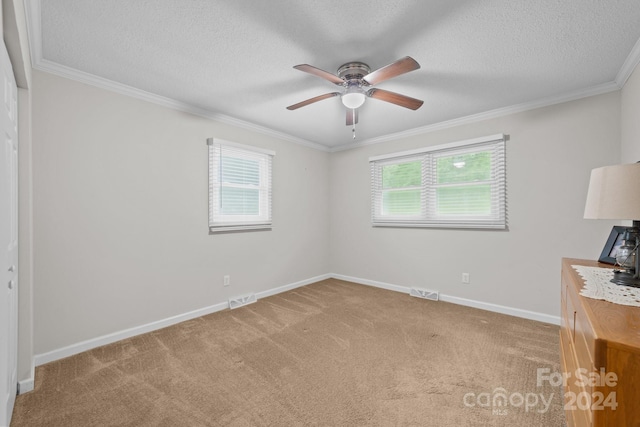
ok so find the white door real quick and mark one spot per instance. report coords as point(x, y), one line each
point(8, 239)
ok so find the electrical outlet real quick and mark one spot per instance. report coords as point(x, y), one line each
point(227, 280)
point(465, 277)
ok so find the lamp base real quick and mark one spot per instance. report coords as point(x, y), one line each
point(623, 278)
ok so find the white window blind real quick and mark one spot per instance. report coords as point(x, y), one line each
point(459, 185)
point(239, 186)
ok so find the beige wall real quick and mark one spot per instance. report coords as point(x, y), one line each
point(120, 234)
point(120, 215)
point(630, 122)
point(550, 154)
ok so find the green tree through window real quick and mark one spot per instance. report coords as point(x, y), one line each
point(402, 190)
point(462, 184)
point(458, 185)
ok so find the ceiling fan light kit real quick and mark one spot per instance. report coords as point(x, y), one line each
point(353, 97)
point(355, 79)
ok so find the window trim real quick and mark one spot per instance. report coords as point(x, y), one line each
point(430, 219)
point(262, 221)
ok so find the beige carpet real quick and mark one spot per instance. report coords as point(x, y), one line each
point(332, 353)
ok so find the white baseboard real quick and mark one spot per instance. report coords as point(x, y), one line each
point(60, 353)
point(374, 283)
point(285, 288)
point(517, 312)
point(25, 386)
point(526, 314)
point(41, 359)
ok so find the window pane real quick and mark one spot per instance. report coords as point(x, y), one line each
point(236, 170)
point(468, 167)
point(402, 175)
point(239, 201)
point(464, 200)
point(403, 202)
point(457, 185)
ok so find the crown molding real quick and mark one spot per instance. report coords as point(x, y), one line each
point(492, 114)
point(629, 65)
point(34, 30)
point(266, 131)
point(110, 85)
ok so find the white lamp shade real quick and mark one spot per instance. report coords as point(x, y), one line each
point(614, 193)
point(353, 100)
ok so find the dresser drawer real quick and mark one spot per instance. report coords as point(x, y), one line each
point(583, 336)
point(576, 417)
point(568, 321)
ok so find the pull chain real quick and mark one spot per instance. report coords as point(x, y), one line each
point(353, 129)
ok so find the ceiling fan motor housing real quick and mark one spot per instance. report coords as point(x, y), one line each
point(353, 71)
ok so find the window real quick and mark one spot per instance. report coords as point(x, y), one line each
point(459, 185)
point(239, 186)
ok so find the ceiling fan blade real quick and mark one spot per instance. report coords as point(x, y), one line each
point(320, 73)
point(401, 66)
point(352, 117)
point(312, 100)
point(395, 98)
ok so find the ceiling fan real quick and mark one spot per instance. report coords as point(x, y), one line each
point(356, 78)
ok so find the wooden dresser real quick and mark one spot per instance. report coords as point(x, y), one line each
point(603, 339)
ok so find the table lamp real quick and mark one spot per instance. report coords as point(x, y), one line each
point(614, 193)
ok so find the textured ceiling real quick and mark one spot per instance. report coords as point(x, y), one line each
point(235, 57)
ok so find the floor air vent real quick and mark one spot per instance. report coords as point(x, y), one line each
point(423, 293)
point(240, 301)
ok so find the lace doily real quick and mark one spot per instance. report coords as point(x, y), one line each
point(597, 285)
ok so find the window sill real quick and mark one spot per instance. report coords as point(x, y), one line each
point(239, 228)
point(441, 226)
